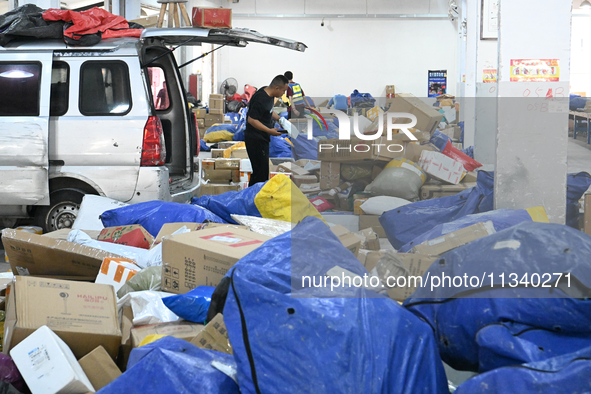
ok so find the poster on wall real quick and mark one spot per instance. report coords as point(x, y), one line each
point(489, 23)
point(535, 70)
point(489, 75)
point(437, 82)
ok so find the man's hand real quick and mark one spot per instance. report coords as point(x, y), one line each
point(274, 132)
point(295, 111)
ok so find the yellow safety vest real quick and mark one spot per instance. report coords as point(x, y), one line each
point(298, 97)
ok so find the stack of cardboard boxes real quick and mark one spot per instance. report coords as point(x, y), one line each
point(220, 176)
point(214, 116)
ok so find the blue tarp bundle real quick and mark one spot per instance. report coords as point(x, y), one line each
point(217, 127)
point(577, 102)
point(279, 147)
point(364, 100)
point(191, 306)
point(203, 146)
point(568, 373)
point(234, 202)
point(303, 148)
point(576, 186)
point(173, 365)
point(152, 215)
point(456, 314)
point(308, 341)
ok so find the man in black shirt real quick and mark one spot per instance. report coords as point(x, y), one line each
point(259, 127)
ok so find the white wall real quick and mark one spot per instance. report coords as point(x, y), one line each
point(581, 55)
point(347, 54)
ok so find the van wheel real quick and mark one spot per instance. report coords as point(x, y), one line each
point(62, 211)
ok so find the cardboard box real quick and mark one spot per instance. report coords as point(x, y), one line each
point(32, 254)
point(373, 222)
point(132, 235)
point(417, 265)
point(239, 154)
point(221, 175)
point(309, 165)
point(435, 191)
point(202, 258)
point(211, 119)
point(447, 242)
point(442, 167)
point(217, 111)
point(216, 96)
point(201, 127)
point(48, 365)
point(63, 234)
point(125, 346)
point(200, 113)
point(215, 189)
point(310, 188)
point(226, 144)
point(330, 175)
point(292, 168)
point(428, 118)
point(169, 228)
point(116, 272)
point(413, 151)
point(374, 113)
point(470, 177)
point(217, 153)
point(299, 180)
point(369, 258)
point(587, 214)
point(84, 315)
point(357, 205)
point(214, 336)
point(347, 238)
point(335, 150)
point(369, 239)
point(99, 368)
point(181, 329)
point(390, 89)
point(220, 18)
point(215, 103)
point(227, 164)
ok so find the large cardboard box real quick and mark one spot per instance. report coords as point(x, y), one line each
point(587, 214)
point(125, 346)
point(32, 254)
point(216, 103)
point(211, 119)
point(347, 238)
point(435, 191)
point(293, 168)
point(201, 127)
point(64, 232)
point(200, 113)
point(100, 368)
point(227, 164)
point(373, 222)
point(447, 242)
point(413, 151)
point(214, 189)
point(221, 175)
point(330, 175)
point(220, 18)
point(48, 365)
point(442, 167)
point(217, 111)
point(82, 314)
point(353, 150)
point(417, 265)
point(202, 258)
point(299, 180)
point(214, 336)
point(181, 329)
point(239, 154)
point(132, 235)
point(428, 118)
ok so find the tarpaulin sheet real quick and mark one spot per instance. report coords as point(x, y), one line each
point(314, 340)
point(547, 250)
point(152, 215)
point(191, 306)
point(231, 203)
point(568, 373)
point(173, 365)
point(27, 21)
point(279, 147)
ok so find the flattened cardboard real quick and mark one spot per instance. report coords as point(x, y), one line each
point(202, 258)
point(435, 191)
point(182, 329)
point(84, 315)
point(99, 368)
point(132, 235)
point(32, 254)
point(447, 242)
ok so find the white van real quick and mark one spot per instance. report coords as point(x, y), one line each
point(111, 119)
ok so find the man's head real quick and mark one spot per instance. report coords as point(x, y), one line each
point(288, 75)
point(278, 86)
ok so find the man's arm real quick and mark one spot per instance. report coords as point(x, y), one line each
point(257, 124)
point(275, 116)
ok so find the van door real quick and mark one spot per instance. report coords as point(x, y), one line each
point(25, 82)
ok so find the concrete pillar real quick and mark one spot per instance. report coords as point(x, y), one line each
point(532, 135)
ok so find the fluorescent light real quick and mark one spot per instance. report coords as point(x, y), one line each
point(585, 5)
point(16, 74)
point(120, 109)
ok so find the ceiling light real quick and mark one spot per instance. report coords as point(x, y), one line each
point(585, 5)
point(16, 74)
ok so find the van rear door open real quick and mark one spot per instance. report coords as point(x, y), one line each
point(24, 119)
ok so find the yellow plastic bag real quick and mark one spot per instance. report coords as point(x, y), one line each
point(538, 214)
point(280, 199)
point(150, 339)
point(228, 152)
point(409, 165)
point(218, 136)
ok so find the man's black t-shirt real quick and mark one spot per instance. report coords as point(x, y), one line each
point(260, 107)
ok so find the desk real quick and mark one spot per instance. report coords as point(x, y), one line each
point(583, 115)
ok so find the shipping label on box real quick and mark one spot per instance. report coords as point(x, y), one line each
point(442, 167)
point(436, 191)
point(447, 242)
point(132, 235)
point(202, 258)
point(330, 175)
